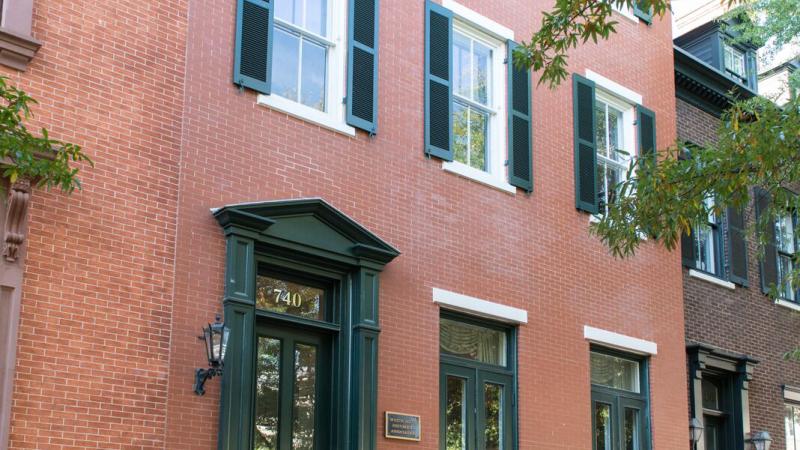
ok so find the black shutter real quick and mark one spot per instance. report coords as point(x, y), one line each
point(253, 54)
point(737, 246)
point(645, 14)
point(438, 81)
point(585, 145)
point(646, 123)
point(362, 65)
point(769, 262)
point(520, 172)
point(687, 250)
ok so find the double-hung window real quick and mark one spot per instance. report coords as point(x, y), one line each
point(620, 413)
point(734, 61)
point(792, 427)
point(786, 246)
point(613, 149)
point(708, 243)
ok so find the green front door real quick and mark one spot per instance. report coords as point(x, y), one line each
point(292, 406)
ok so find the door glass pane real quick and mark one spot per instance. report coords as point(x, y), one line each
point(267, 386)
point(286, 49)
point(712, 432)
point(313, 75)
point(287, 297)
point(304, 400)
point(711, 395)
point(602, 426)
point(631, 429)
point(493, 410)
point(472, 342)
point(456, 414)
point(615, 372)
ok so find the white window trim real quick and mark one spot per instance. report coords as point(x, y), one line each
point(791, 393)
point(334, 116)
point(619, 341)
point(479, 307)
point(787, 304)
point(711, 279)
point(625, 12)
point(492, 34)
point(614, 88)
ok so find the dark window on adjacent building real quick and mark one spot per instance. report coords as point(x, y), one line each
point(717, 412)
point(620, 413)
point(708, 244)
point(477, 384)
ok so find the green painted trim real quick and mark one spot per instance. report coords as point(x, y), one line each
point(644, 16)
point(430, 149)
point(238, 383)
point(240, 79)
point(239, 276)
point(513, 178)
point(370, 126)
point(590, 207)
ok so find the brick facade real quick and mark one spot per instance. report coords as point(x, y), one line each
point(122, 275)
point(744, 320)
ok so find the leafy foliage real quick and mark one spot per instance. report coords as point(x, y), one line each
point(23, 155)
point(762, 21)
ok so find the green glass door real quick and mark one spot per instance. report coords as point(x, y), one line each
point(292, 389)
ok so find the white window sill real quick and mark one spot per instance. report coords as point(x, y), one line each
point(303, 112)
point(626, 13)
point(711, 279)
point(788, 304)
point(479, 176)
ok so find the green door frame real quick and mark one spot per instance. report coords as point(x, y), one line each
point(304, 236)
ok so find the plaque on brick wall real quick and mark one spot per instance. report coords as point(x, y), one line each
point(402, 426)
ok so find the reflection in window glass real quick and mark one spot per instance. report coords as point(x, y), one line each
point(615, 372)
point(472, 342)
point(602, 426)
point(711, 395)
point(305, 389)
point(267, 387)
point(631, 429)
point(792, 427)
point(282, 296)
point(493, 407)
point(612, 156)
point(471, 114)
point(455, 414)
point(734, 61)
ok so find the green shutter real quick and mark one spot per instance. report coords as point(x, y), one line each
point(438, 81)
point(253, 55)
point(520, 172)
point(583, 99)
point(769, 261)
point(362, 65)
point(737, 246)
point(646, 129)
point(642, 12)
point(687, 250)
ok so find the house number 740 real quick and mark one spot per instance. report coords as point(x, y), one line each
point(284, 296)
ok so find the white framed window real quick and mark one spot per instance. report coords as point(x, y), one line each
point(308, 62)
point(786, 246)
point(479, 98)
point(734, 61)
point(616, 144)
point(708, 243)
point(625, 11)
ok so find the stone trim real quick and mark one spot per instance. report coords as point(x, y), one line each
point(17, 46)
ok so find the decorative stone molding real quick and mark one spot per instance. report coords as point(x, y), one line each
point(17, 50)
point(19, 198)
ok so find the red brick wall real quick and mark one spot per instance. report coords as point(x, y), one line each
point(744, 320)
point(93, 352)
point(143, 313)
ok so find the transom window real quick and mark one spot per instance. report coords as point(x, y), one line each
point(614, 135)
point(301, 47)
point(734, 61)
point(792, 427)
point(786, 245)
point(619, 402)
point(708, 243)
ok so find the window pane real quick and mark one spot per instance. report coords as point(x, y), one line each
point(706, 256)
point(602, 426)
point(482, 56)
point(631, 429)
point(456, 414)
point(285, 53)
point(472, 342)
point(711, 395)
point(791, 438)
point(313, 82)
point(286, 297)
point(614, 372)
point(796, 427)
point(478, 130)
point(316, 16)
point(784, 234)
point(461, 65)
point(460, 133)
point(493, 408)
point(784, 271)
point(267, 387)
point(615, 135)
point(600, 129)
point(290, 11)
point(305, 389)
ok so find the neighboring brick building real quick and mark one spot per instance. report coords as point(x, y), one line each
point(736, 335)
point(502, 321)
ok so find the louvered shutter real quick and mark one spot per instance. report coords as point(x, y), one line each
point(362, 65)
point(737, 246)
point(769, 261)
point(583, 99)
point(520, 171)
point(688, 250)
point(253, 54)
point(438, 81)
point(645, 14)
point(646, 129)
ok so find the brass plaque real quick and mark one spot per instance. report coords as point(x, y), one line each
point(402, 426)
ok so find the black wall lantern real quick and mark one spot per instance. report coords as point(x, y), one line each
point(216, 340)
